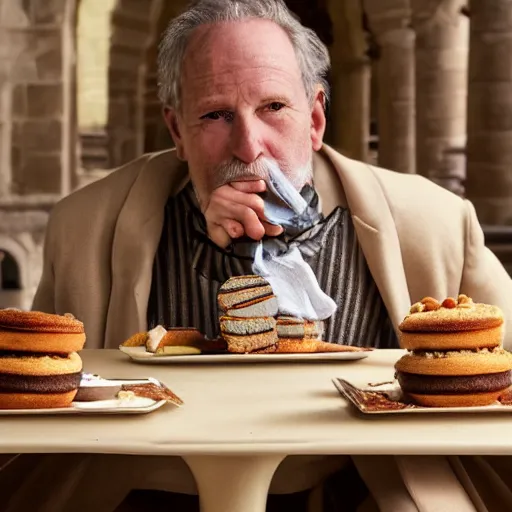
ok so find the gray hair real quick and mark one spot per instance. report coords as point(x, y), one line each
point(312, 54)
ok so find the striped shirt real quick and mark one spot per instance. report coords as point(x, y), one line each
point(189, 269)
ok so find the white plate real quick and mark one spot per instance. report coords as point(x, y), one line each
point(140, 355)
point(355, 396)
point(137, 405)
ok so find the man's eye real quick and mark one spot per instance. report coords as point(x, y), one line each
point(275, 106)
point(218, 114)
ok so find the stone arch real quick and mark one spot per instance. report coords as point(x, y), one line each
point(15, 253)
point(10, 278)
point(13, 274)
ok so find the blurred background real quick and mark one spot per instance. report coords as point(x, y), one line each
point(418, 86)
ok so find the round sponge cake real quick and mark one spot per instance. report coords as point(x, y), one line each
point(455, 378)
point(35, 381)
point(455, 357)
point(33, 331)
point(460, 324)
point(39, 364)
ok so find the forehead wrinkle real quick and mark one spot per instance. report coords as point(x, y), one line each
point(207, 48)
point(225, 84)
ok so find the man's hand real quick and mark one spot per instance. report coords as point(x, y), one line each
point(235, 209)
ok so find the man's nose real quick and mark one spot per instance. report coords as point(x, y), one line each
point(245, 140)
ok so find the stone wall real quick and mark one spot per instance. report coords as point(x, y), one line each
point(36, 93)
point(37, 144)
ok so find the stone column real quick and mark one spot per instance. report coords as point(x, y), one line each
point(441, 80)
point(133, 29)
point(351, 73)
point(157, 136)
point(390, 25)
point(489, 145)
point(94, 30)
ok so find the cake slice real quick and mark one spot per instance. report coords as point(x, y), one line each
point(139, 339)
point(241, 291)
point(245, 335)
point(178, 341)
point(261, 307)
point(189, 341)
point(290, 327)
point(314, 329)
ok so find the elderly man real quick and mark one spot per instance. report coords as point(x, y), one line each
point(242, 82)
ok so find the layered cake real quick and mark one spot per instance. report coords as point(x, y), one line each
point(249, 324)
point(39, 364)
point(455, 353)
point(290, 327)
point(298, 335)
point(249, 335)
point(248, 297)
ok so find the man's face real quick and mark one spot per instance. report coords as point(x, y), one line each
point(243, 98)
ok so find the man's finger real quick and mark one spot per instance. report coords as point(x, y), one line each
point(218, 236)
point(233, 228)
point(229, 211)
point(250, 187)
point(227, 199)
point(272, 229)
point(249, 219)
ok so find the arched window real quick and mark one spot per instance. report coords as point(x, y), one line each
point(9, 272)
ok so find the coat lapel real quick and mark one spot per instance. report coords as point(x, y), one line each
point(376, 231)
point(136, 239)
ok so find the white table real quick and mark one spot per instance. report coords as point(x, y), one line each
point(240, 421)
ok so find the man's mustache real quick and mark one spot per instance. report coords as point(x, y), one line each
point(236, 170)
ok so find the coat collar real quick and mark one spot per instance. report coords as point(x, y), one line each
point(139, 226)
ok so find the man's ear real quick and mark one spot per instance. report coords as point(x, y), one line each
point(318, 120)
point(172, 122)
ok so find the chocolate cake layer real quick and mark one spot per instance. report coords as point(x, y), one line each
point(19, 353)
point(243, 287)
point(449, 385)
point(31, 384)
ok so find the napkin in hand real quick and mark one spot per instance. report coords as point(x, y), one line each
point(292, 279)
